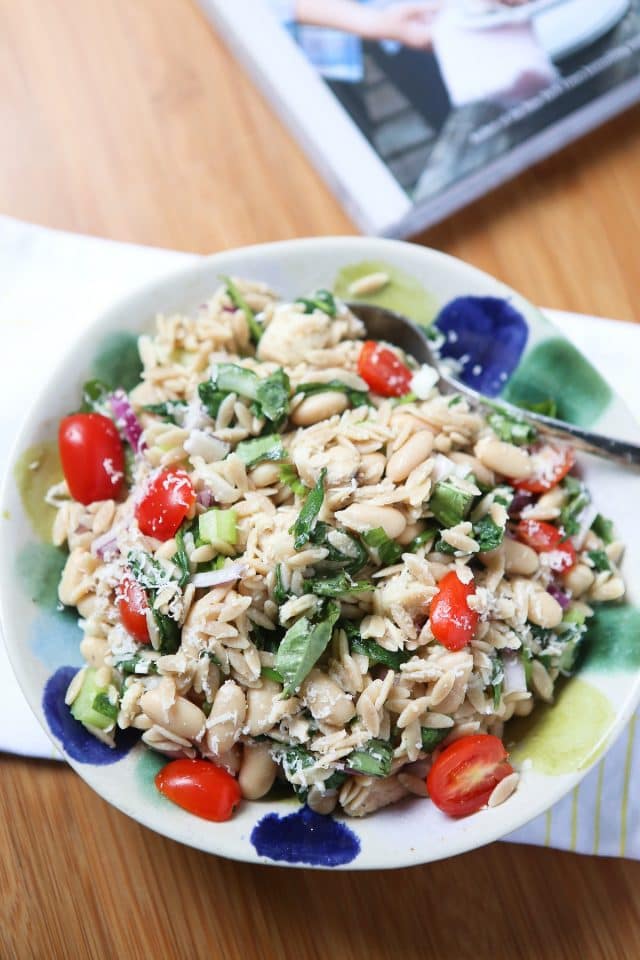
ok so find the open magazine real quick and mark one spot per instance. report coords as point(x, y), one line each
point(412, 109)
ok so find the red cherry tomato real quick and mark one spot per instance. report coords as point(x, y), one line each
point(545, 538)
point(383, 371)
point(133, 606)
point(166, 502)
point(462, 778)
point(453, 623)
point(200, 787)
point(550, 465)
point(92, 457)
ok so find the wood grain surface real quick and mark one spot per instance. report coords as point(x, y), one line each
point(131, 120)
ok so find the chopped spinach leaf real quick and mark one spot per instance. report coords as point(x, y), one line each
point(386, 549)
point(357, 398)
point(272, 396)
point(302, 645)
point(268, 673)
point(431, 737)
point(373, 759)
point(577, 500)
point(170, 411)
point(181, 559)
point(95, 397)
point(488, 534)
point(600, 560)
point(449, 504)
point(322, 300)
point(211, 398)
point(603, 528)
point(497, 676)
point(237, 299)
point(337, 586)
point(280, 595)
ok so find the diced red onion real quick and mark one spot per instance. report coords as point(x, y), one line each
point(205, 498)
point(126, 419)
point(563, 598)
point(521, 500)
point(104, 544)
point(514, 680)
point(214, 578)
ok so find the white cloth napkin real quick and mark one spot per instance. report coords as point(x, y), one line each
point(52, 284)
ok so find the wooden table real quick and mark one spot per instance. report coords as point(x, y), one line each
point(130, 120)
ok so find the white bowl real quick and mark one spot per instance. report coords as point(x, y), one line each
point(562, 742)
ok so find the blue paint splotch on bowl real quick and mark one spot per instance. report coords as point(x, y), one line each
point(77, 742)
point(305, 837)
point(486, 336)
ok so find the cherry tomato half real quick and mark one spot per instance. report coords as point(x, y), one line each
point(92, 457)
point(453, 623)
point(545, 538)
point(383, 371)
point(550, 465)
point(200, 787)
point(166, 502)
point(133, 606)
point(463, 777)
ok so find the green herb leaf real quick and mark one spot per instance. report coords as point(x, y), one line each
point(449, 504)
point(372, 760)
point(262, 448)
point(280, 595)
point(497, 676)
point(377, 654)
point(578, 499)
point(351, 558)
point(95, 397)
point(432, 737)
point(181, 559)
point(488, 534)
point(302, 645)
point(103, 706)
point(272, 396)
point(237, 299)
point(387, 550)
point(148, 572)
point(319, 300)
point(603, 528)
point(510, 428)
point(168, 630)
point(268, 673)
point(308, 516)
point(337, 586)
point(170, 411)
point(600, 560)
point(423, 538)
point(211, 398)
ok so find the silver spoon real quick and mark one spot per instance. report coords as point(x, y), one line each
point(383, 324)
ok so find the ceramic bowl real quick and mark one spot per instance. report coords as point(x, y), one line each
point(508, 348)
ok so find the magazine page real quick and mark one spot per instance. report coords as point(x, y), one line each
point(448, 97)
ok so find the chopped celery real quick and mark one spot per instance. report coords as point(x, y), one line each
point(231, 378)
point(372, 760)
point(510, 428)
point(272, 396)
point(262, 448)
point(449, 504)
point(218, 525)
point(92, 706)
point(388, 550)
point(289, 476)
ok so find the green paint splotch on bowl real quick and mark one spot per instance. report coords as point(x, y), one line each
point(555, 370)
point(403, 293)
point(613, 639)
point(566, 736)
point(147, 765)
point(117, 362)
point(35, 471)
point(39, 567)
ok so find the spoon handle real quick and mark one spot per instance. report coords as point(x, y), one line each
point(618, 451)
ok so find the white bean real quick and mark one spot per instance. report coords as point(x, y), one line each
point(504, 458)
point(519, 559)
point(319, 406)
point(610, 589)
point(258, 771)
point(182, 718)
point(579, 579)
point(259, 706)
point(412, 453)
point(362, 516)
point(371, 467)
point(227, 716)
point(544, 610)
point(327, 702)
point(265, 474)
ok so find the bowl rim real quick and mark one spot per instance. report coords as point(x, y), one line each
point(131, 304)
